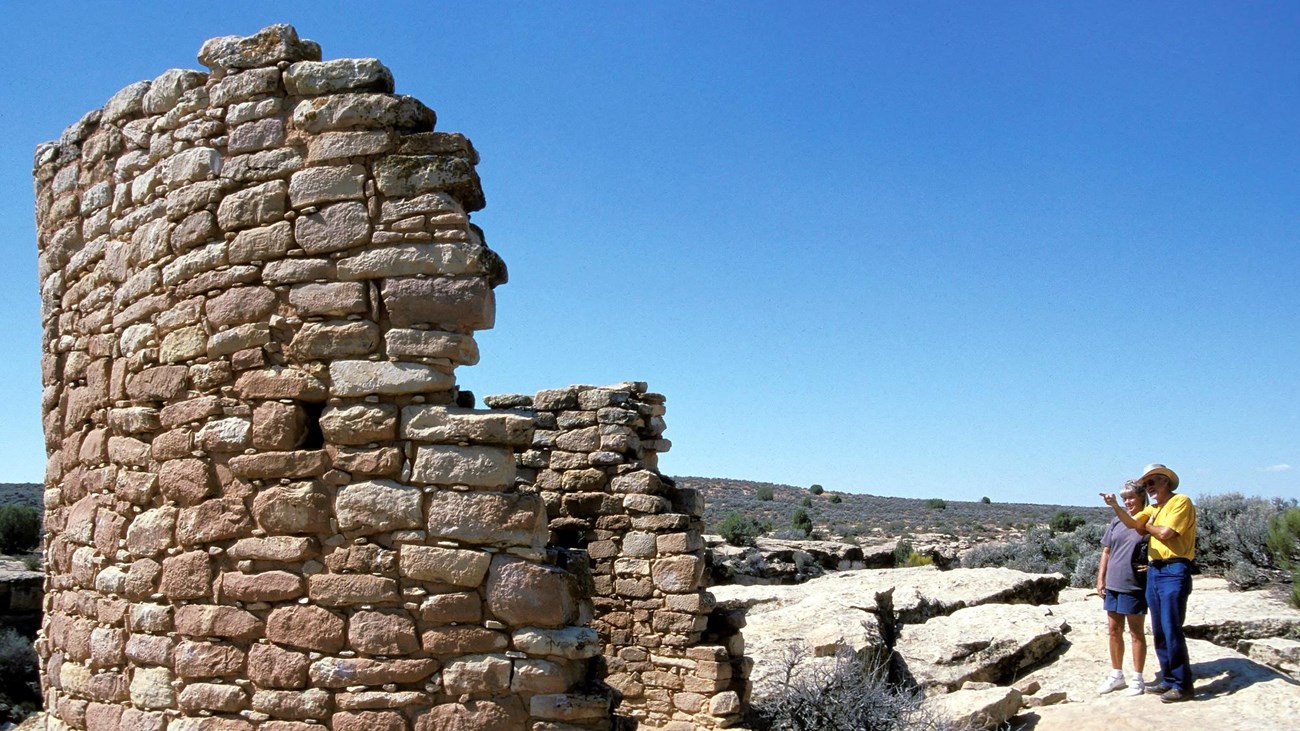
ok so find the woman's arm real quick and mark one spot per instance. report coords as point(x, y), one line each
point(1122, 513)
point(1101, 571)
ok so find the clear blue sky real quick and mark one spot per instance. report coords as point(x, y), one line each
point(931, 249)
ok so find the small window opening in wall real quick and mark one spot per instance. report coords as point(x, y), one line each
point(569, 538)
point(312, 436)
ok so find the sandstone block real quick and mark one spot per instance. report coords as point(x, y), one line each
point(368, 721)
point(524, 593)
point(359, 423)
point(313, 703)
point(333, 228)
point(166, 90)
point(337, 672)
point(459, 349)
point(194, 230)
point(334, 339)
point(267, 586)
point(453, 566)
point(378, 506)
point(152, 531)
point(184, 344)
point(339, 590)
point(459, 302)
point(213, 697)
point(259, 205)
point(329, 299)
point(240, 305)
point(213, 520)
point(190, 410)
point(271, 465)
point(151, 618)
point(199, 659)
point(277, 426)
point(542, 676)
point(487, 518)
point(327, 184)
point(463, 641)
point(307, 627)
point(258, 135)
point(487, 467)
point(409, 175)
point(362, 111)
point(266, 243)
point(134, 420)
point(186, 481)
point(225, 435)
point(452, 425)
point(160, 383)
point(309, 78)
point(284, 549)
point(240, 337)
point(270, 666)
point(107, 647)
point(151, 688)
point(206, 620)
point(453, 608)
point(267, 47)
point(150, 649)
point(383, 462)
point(338, 145)
point(280, 382)
point(390, 632)
point(298, 507)
point(361, 378)
point(569, 706)
point(404, 260)
point(186, 576)
point(504, 713)
point(477, 674)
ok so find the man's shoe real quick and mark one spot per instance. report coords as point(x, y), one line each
point(1160, 688)
point(1174, 695)
point(1136, 686)
point(1112, 682)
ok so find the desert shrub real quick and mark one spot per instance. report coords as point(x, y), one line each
point(917, 559)
point(19, 696)
point(1065, 522)
point(800, 521)
point(32, 562)
point(1233, 537)
point(986, 500)
point(836, 499)
point(847, 695)
point(816, 489)
point(765, 494)
point(1043, 552)
point(1084, 574)
point(806, 502)
point(1284, 544)
point(902, 550)
point(740, 530)
point(935, 503)
point(20, 528)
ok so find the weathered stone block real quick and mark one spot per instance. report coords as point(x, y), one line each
point(186, 481)
point(160, 383)
point(400, 260)
point(184, 344)
point(452, 641)
point(307, 627)
point(503, 713)
point(459, 349)
point(453, 608)
point(151, 688)
point(451, 425)
point(359, 423)
point(270, 666)
point(313, 703)
point(368, 721)
point(350, 378)
point(337, 672)
point(240, 305)
point(309, 78)
point(569, 706)
point(259, 205)
point(267, 47)
point(337, 145)
point(280, 382)
point(213, 697)
point(267, 586)
point(389, 632)
point(214, 520)
point(333, 228)
point(362, 111)
point(334, 339)
point(257, 135)
point(273, 465)
point(240, 337)
point(186, 576)
point(262, 244)
point(225, 435)
point(487, 518)
point(198, 659)
point(298, 507)
point(477, 674)
point(382, 462)
point(277, 426)
point(152, 531)
point(329, 299)
point(378, 506)
point(339, 590)
point(457, 567)
point(525, 593)
point(486, 467)
point(327, 184)
point(458, 302)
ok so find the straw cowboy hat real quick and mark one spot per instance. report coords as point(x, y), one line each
point(1159, 469)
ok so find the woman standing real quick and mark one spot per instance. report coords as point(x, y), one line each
point(1171, 523)
point(1122, 583)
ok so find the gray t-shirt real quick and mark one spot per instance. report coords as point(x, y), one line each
point(1123, 543)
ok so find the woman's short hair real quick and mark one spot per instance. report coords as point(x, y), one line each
point(1133, 489)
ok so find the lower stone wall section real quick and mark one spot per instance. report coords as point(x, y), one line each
point(671, 661)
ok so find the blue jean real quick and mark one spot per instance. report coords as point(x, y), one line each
point(1168, 585)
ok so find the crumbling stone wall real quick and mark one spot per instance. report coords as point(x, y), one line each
point(264, 509)
point(673, 661)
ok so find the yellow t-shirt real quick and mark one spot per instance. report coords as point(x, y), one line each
point(1178, 513)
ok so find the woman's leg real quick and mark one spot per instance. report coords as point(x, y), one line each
point(1115, 631)
point(1138, 637)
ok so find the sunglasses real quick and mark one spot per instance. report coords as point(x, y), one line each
point(1151, 482)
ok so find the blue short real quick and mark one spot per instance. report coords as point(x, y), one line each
point(1125, 602)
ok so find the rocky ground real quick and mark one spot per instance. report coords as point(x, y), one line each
point(996, 645)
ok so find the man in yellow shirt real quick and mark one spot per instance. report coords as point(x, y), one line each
point(1170, 520)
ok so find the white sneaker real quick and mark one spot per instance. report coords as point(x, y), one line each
point(1114, 681)
point(1136, 686)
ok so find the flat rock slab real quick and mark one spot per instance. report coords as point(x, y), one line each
point(988, 643)
point(1232, 691)
point(1224, 617)
point(988, 708)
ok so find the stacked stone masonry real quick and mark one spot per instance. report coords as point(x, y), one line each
point(672, 660)
point(265, 506)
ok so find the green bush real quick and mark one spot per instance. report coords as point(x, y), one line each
point(739, 530)
point(935, 503)
point(19, 691)
point(836, 499)
point(1041, 551)
point(1065, 522)
point(765, 493)
point(986, 500)
point(1233, 534)
point(800, 521)
point(816, 489)
point(1284, 543)
point(20, 528)
point(806, 502)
